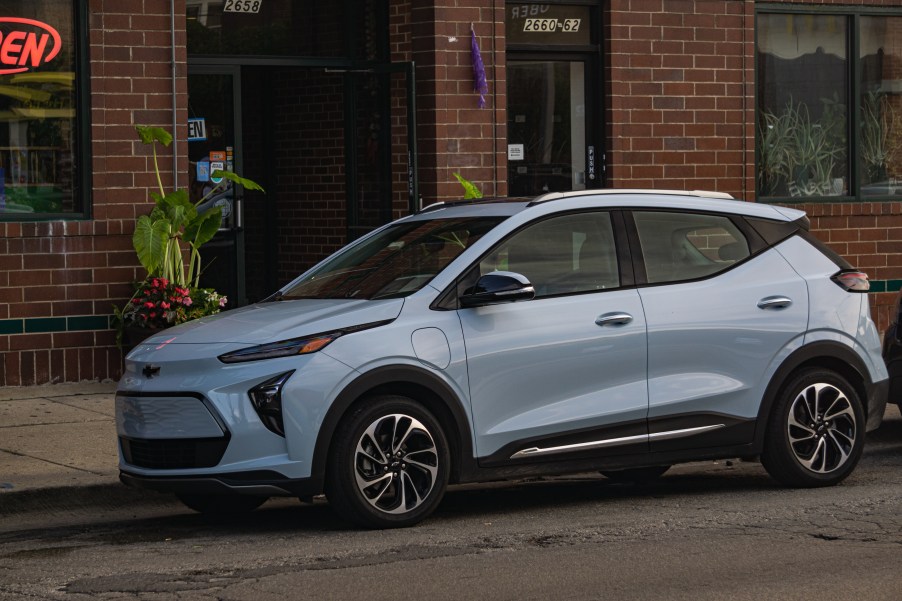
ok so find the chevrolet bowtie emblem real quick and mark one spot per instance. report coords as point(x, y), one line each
point(150, 371)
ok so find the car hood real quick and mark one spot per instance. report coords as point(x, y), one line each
point(280, 320)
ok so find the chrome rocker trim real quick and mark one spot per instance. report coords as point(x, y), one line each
point(613, 442)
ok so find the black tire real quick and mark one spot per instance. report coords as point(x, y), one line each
point(815, 431)
point(378, 478)
point(222, 505)
point(636, 475)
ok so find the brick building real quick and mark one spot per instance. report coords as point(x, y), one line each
point(352, 113)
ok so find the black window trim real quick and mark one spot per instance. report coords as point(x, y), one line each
point(853, 14)
point(756, 243)
point(447, 300)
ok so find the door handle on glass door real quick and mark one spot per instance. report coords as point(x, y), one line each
point(774, 302)
point(613, 319)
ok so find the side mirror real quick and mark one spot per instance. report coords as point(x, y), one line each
point(498, 287)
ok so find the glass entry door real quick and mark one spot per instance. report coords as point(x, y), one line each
point(214, 142)
point(549, 125)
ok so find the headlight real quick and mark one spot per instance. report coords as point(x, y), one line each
point(294, 346)
point(285, 348)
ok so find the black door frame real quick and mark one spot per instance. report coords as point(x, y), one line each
point(204, 64)
point(594, 114)
point(595, 92)
point(235, 230)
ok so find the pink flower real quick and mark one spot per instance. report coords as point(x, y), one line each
point(152, 314)
point(223, 301)
point(149, 305)
point(187, 302)
point(164, 304)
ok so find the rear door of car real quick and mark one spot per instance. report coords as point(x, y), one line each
point(721, 309)
point(561, 376)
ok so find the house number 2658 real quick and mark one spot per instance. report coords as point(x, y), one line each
point(242, 6)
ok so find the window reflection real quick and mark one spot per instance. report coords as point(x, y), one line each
point(802, 127)
point(881, 106)
point(37, 110)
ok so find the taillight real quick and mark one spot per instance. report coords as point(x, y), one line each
point(851, 280)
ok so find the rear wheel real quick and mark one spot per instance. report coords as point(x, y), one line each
point(390, 464)
point(637, 475)
point(815, 433)
point(222, 505)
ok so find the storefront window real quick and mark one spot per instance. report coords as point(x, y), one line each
point(38, 91)
point(880, 158)
point(803, 75)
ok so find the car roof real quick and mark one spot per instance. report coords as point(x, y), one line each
point(717, 202)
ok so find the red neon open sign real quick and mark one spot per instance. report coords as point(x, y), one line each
point(23, 48)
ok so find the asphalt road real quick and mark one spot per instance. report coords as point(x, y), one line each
point(713, 530)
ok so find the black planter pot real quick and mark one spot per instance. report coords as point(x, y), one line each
point(132, 336)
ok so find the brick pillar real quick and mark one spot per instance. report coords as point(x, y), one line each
point(454, 134)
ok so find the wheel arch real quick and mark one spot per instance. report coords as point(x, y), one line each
point(824, 354)
point(415, 383)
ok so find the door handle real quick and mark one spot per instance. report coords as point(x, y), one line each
point(774, 302)
point(613, 319)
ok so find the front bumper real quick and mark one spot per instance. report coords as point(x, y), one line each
point(264, 483)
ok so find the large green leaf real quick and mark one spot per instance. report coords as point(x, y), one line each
point(248, 184)
point(201, 230)
point(149, 240)
point(470, 189)
point(178, 209)
point(150, 134)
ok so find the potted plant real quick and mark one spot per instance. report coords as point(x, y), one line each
point(170, 293)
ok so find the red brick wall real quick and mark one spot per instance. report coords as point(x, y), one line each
point(680, 106)
point(454, 135)
point(82, 268)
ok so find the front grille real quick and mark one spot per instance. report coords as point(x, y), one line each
point(173, 453)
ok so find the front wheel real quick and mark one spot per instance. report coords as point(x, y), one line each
point(390, 464)
point(815, 433)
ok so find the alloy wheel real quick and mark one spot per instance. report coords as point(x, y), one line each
point(822, 428)
point(396, 463)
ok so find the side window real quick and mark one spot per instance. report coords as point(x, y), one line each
point(687, 246)
point(561, 255)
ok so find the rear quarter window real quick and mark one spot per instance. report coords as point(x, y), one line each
point(688, 246)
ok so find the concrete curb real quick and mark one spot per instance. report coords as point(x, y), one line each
point(73, 498)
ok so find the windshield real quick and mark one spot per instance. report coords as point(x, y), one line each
point(396, 262)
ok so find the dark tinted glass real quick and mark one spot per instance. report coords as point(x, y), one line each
point(395, 262)
point(286, 28)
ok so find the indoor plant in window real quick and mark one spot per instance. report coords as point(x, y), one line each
point(170, 294)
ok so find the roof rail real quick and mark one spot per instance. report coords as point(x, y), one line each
point(559, 195)
point(468, 201)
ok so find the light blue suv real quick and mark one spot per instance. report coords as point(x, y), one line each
point(613, 331)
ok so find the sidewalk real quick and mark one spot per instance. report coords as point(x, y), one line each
point(56, 437)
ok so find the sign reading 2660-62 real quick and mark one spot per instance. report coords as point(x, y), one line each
point(544, 24)
point(551, 25)
point(242, 6)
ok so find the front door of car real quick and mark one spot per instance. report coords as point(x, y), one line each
point(564, 374)
point(719, 316)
